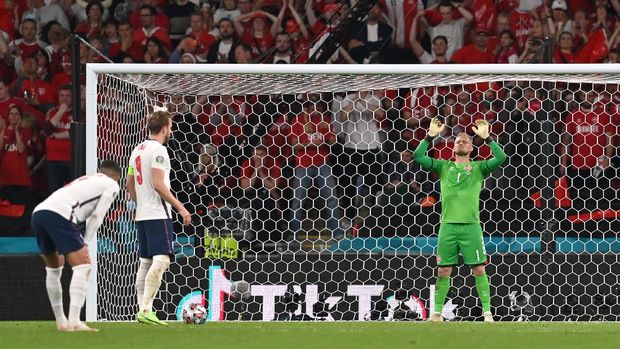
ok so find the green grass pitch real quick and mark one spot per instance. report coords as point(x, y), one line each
point(315, 335)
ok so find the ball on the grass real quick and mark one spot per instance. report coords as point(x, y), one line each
point(194, 314)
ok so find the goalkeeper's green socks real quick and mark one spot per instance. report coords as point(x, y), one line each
point(441, 292)
point(484, 292)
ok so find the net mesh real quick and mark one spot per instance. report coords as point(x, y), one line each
point(306, 204)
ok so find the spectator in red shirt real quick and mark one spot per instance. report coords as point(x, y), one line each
point(586, 154)
point(259, 37)
point(476, 53)
point(155, 52)
point(148, 29)
point(507, 49)
point(198, 32)
point(9, 19)
point(6, 101)
point(28, 44)
point(36, 91)
point(93, 26)
point(311, 136)
point(14, 149)
point(158, 16)
point(58, 143)
point(564, 53)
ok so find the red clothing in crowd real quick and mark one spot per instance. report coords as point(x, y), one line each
point(277, 141)
point(60, 79)
point(4, 106)
point(563, 57)
point(13, 164)
point(59, 149)
point(589, 136)
point(45, 92)
point(140, 36)
point(88, 31)
point(320, 129)
point(521, 25)
point(259, 45)
point(27, 49)
point(204, 41)
point(161, 20)
point(471, 54)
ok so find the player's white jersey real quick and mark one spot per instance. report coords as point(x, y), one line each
point(147, 155)
point(77, 200)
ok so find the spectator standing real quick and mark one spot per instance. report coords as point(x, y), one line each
point(14, 151)
point(58, 143)
point(311, 136)
point(476, 53)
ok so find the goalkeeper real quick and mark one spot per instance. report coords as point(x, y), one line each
point(461, 181)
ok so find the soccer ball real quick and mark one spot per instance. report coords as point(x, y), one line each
point(194, 314)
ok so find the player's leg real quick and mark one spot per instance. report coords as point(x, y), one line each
point(447, 257)
point(80, 263)
point(53, 267)
point(145, 262)
point(474, 255)
point(159, 246)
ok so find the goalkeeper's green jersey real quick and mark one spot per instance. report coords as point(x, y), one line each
point(460, 184)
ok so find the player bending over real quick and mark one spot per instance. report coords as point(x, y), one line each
point(54, 223)
point(461, 181)
point(148, 183)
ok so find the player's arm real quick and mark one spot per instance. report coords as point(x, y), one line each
point(164, 192)
point(96, 218)
point(419, 155)
point(482, 130)
point(131, 184)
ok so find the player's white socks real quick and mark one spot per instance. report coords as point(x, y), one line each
point(54, 293)
point(77, 290)
point(153, 280)
point(145, 265)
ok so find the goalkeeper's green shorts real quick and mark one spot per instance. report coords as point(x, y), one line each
point(463, 238)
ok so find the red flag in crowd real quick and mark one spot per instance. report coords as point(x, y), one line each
point(595, 50)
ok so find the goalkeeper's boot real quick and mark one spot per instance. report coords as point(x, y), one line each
point(488, 317)
point(80, 327)
point(435, 317)
point(149, 318)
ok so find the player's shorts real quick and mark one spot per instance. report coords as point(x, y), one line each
point(463, 238)
point(155, 237)
point(55, 233)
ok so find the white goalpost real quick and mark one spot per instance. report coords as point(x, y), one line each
point(345, 226)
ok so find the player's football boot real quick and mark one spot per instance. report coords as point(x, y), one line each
point(149, 318)
point(488, 317)
point(435, 318)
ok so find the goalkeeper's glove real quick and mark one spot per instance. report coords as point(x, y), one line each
point(436, 127)
point(482, 129)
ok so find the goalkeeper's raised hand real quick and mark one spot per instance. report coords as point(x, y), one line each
point(436, 127)
point(481, 129)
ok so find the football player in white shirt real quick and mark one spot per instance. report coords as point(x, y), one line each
point(54, 223)
point(148, 183)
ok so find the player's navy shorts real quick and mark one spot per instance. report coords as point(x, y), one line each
point(155, 237)
point(56, 233)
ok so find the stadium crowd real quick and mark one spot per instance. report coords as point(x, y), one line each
point(354, 147)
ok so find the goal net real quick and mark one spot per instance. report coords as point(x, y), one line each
point(306, 204)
